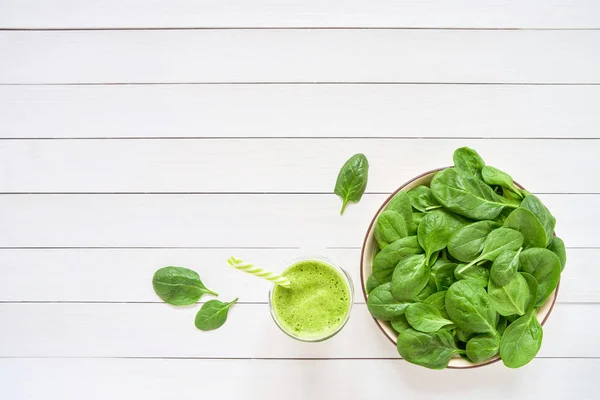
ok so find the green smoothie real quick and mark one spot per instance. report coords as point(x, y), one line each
point(317, 302)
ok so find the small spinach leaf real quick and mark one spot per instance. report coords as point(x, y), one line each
point(521, 341)
point(390, 226)
point(425, 318)
point(352, 179)
point(505, 266)
point(438, 301)
point(433, 234)
point(179, 286)
point(401, 204)
point(538, 208)
point(386, 260)
point(469, 161)
point(372, 283)
point(431, 350)
point(469, 307)
point(481, 348)
point(533, 289)
point(400, 324)
point(410, 277)
point(422, 199)
point(478, 274)
point(511, 298)
point(213, 314)
point(443, 273)
point(524, 221)
point(498, 241)
point(544, 265)
point(494, 177)
point(557, 246)
point(466, 244)
point(382, 305)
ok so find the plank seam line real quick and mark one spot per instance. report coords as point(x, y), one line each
point(247, 358)
point(301, 83)
point(218, 138)
point(290, 28)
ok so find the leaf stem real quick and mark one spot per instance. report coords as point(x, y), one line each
point(432, 208)
point(344, 206)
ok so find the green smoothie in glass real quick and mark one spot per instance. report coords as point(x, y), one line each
point(317, 304)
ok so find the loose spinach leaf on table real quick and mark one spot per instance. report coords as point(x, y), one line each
point(433, 234)
point(425, 318)
point(469, 307)
point(544, 265)
point(390, 226)
point(411, 275)
point(466, 195)
point(352, 180)
point(213, 314)
point(538, 208)
point(557, 246)
point(524, 221)
point(382, 305)
point(505, 266)
point(401, 204)
point(498, 241)
point(481, 348)
point(521, 341)
point(469, 161)
point(431, 350)
point(466, 244)
point(494, 177)
point(511, 298)
point(179, 286)
point(387, 259)
point(422, 199)
point(533, 289)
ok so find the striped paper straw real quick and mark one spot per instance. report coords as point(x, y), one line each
point(251, 269)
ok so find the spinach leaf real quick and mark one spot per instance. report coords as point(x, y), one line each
point(352, 180)
point(477, 274)
point(494, 177)
point(469, 161)
point(511, 298)
point(372, 283)
point(386, 260)
point(213, 314)
point(425, 318)
point(501, 325)
point(481, 348)
point(466, 195)
point(410, 277)
point(544, 265)
point(179, 286)
point(469, 307)
point(521, 341)
point(390, 227)
point(417, 217)
point(498, 241)
point(504, 267)
point(401, 204)
point(533, 289)
point(431, 350)
point(455, 222)
point(538, 208)
point(433, 234)
point(427, 291)
point(400, 324)
point(463, 336)
point(443, 273)
point(529, 225)
point(557, 246)
point(422, 199)
point(382, 305)
point(466, 244)
point(438, 301)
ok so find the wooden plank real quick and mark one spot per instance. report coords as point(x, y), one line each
point(209, 56)
point(278, 165)
point(307, 13)
point(159, 330)
point(88, 275)
point(298, 111)
point(74, 379)
point(224, 220)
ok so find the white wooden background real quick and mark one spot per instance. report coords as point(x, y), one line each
point(140, 133)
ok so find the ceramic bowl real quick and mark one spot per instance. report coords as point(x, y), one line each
point(368, 252)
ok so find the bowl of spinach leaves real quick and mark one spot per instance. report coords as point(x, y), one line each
point(460, 267)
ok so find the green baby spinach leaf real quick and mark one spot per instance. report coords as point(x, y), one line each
point(427, 291)
point(544, 265)
point(504, 267)
point(382, 305)
point(469, 161)
point(466, 195)
point(546, 219)
point(438, 301)
point(387, 259)
point(431, 350)
point(399, 323)
point(390, 226)
point(352, 180)
point(469, 307)
point(521, 341)
point(511, 298)
point(401, 204)
point(179, 286)
point(425, 318)
point(524, 221)
point(213, 314)
point(498, 241)
point(433, 234)
point(410, 277)
point(422, 199)
point(463, 335)
point(533, 289)
point(478, 274)
point(372, 283)
point(481, 348)
point(557, 246)
point(494, 177)
point(501, 325)
point(466, 244)
point(443, 273)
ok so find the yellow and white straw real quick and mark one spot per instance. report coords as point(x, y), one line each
point(256, 271)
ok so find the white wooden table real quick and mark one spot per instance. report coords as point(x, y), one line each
point(136, 134)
